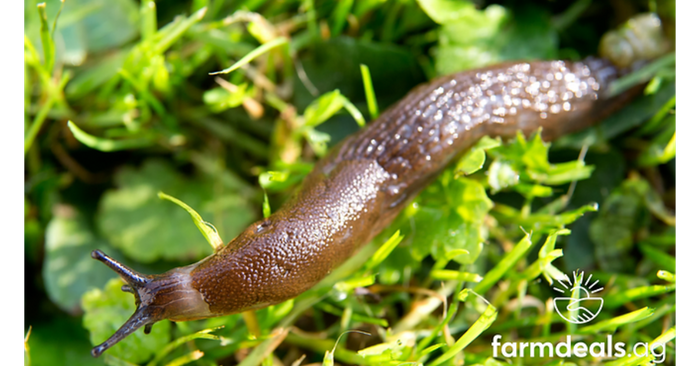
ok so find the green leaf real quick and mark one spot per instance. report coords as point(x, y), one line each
point(547, 254)
point(145, 228)
point(207, 229)
point(68, 269)
point(533, 190)
point(627, 209)
point(318, 140)
point(220, 99)
point(114, 24)
point(447, 11)
point(438, 229)
point(542, 222)
point(474, 160)
point(566, 172)
point(471, 38)
point(323, 108)
point(502, 175)
point(471, 204)
point(107, 309)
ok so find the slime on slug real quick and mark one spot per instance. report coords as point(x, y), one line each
point(364, 182)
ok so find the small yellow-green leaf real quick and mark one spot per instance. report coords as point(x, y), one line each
point(207, 229)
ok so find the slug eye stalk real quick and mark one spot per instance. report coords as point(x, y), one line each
point(137, 284)
point(132, 278)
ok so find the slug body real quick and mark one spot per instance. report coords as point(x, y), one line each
point(360, 187)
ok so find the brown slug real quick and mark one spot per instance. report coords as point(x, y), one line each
point(361, 186)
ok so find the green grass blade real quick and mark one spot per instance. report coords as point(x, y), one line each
point(614, 323)
point(508, 261)
point(176, 33)
point(637, 293)
point(187, 358)
point(354, 112)
point(38, 121)
point(380, 255)
point(55, 20)
point(666, 276)
point(640, 76)
point(449, 275)
point(422, 347)
point(481, 324)
point(149, 25)
point(107, 145)
point(369, 91)
point(202, 334)
point(46, 39)
point(666, 337)
point(655, 122)
point(253, 54)
point(666, 261)
point(340, 12)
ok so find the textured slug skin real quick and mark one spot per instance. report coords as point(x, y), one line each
point(360, 187)
point(356, 191)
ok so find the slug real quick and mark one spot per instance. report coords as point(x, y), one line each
point(365, 181)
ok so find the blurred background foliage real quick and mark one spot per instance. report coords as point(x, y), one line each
point(135, 78)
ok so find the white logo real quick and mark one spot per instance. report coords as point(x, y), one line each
point(583, 309)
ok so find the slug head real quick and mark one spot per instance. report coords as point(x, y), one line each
point(165, 296)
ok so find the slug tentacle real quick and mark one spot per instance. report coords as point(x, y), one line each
point(135, 282)
point(137, 320)
point(165, 296)
point(133, 278)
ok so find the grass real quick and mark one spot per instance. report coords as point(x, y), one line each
point(122, 103)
